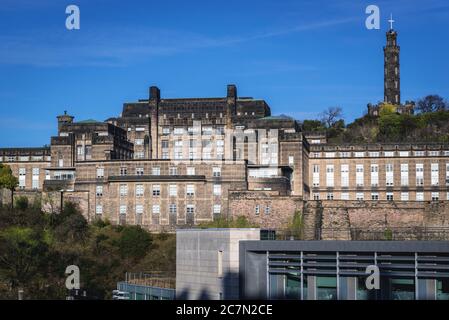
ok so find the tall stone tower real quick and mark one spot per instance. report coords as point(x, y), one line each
point(392, 89)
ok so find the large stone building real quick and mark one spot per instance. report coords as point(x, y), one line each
point(172, 162)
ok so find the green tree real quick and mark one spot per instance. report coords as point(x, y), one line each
point(8, 181)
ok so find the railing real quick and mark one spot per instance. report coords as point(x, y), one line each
point(159, 279)
point(387, 234)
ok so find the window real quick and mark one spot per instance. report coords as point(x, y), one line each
point(435, 196)
point(139, 155)
point(173, 190)
point(35, 178)
point(257, 210)
point(156, 190)
point(345, 154)
point(156, 171)
point(267, 210)
point(434, 153)
point(389, 174)
point(123, 171)
point(374, 175)
point(359, 196)
point(419, 174)
point(404, 174)
point(419, 153)
point(99, 191)
point(404, 153)
point(178, 131)
point(316, 175)
point(291, 160)
point(190, 171)
point(165, 155)
point(330, 196)
point(420, 196)
point(139, 209)
point(329, 154)
point(173, 208)
point(404, 196)
point(165, 131)
point(190, 190)
point(138, 142)
point(47, 175)
point(390, 196)
point(173, 171)
point(344, 173)
point(164, 144)
point(447, 174)
point(344, 196)
point(359, 154)
point(99, 209)
point(123, 209)
point(316, 196)
point(22, 176)
point(123, 190)
point(374, 196)
point(156, 209)
point(374, 154)
point(100, 172)
point(217, 209)
point(330, 175)
point(217, 189)
point(139, 171)
point(139, 190)
point(389, 153)
point(190, 209)
point(216, 171)
point(359, 175)
point(434, 174)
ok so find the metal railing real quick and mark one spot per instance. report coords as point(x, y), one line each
point(387, 234)
point(159, 279)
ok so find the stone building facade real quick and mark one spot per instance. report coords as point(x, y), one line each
point(166, 163)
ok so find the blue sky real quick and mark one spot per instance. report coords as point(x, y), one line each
point(300, 56)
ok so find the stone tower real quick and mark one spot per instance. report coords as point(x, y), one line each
point(392, 89)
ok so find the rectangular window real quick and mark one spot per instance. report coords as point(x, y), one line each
point(35, 178)
point(138, 142)
point(389, 154)
point(316, 175)
point(173, 190)
point(190, 171)
point(156, 190)
point(139, 209)
point(257, 210)
point(139, 190)
point(359, 196)
point(374, 196)
point(100, 172)
point(434, 174)
point(173, 209)
point(419, 153)
point(316, 196)
point(99, 191)
point(374, 175)
point(419, 174)
point(420, 196)
point(156, 171)
point(99, 209)
point(344, 196)
point(330, 196)
point(190, 190)
point(123, 171)
point(217, 189)
point(330, 175)
point(216, 171)
point(123, 190)
point(123, 209)
point(435, 196)
point(156, 209)
point(389, 174)
point(390, 196)
point(447, 174)
point(139, 171)
point(359, 154)
point(217, 208)
point(291, 160)
point(190, 209)
point(404, 153)
point(22, 178)
point(359, 175)
point(267, 210)
point(173, 171)
point(344, 173)
point(404, 196)
point(404, 174)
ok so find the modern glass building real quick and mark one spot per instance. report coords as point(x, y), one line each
point(337, 270)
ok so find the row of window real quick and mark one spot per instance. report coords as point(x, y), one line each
point(34, 178)
point(375, 154)
point(374, 169)
point(24, 158)
point(266, 210)
point(156, 171)
point(156, 190)
point(435, 196)
point(156, 209)
point(194, 130)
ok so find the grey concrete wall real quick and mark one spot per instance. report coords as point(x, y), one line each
point(197, 260)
